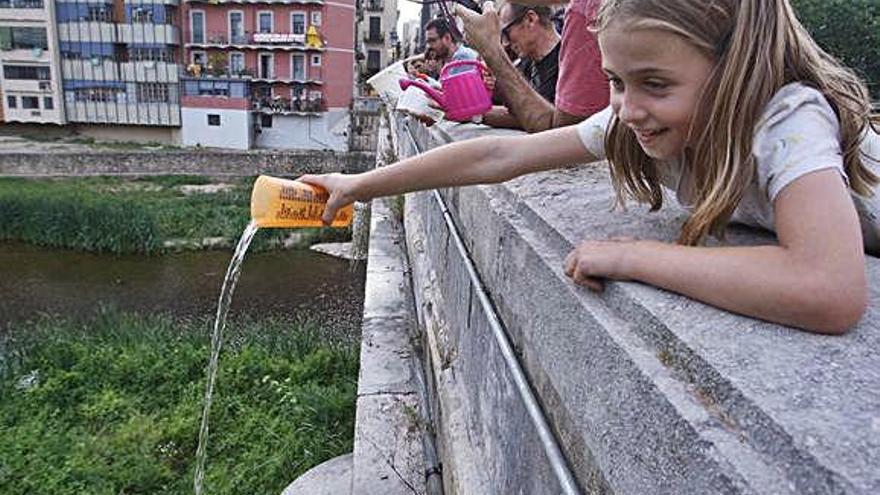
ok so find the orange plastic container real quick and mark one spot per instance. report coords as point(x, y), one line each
point(288, 203)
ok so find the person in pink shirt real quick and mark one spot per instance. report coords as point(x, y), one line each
point(582, 87)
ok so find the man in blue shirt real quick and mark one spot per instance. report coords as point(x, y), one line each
point(439, 39)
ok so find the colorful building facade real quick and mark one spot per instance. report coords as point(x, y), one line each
point(120, 61)
point(225, 73)
point(274, 73)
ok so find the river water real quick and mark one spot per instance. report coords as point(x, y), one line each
point(296, 283)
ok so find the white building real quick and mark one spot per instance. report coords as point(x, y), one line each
point(30, 77)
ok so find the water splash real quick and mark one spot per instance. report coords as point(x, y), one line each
point(229, 282)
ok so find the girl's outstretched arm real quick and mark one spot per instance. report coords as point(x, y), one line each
point(485, 160)
point(814, 279)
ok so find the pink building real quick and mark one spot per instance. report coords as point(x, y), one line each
point(267, 73)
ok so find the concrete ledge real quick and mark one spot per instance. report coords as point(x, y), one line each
point(195, 162)
point(328, 478)
point(648, 392)
point(388, 451)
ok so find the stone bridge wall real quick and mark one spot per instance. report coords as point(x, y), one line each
point(188, 162)
point(646, 391)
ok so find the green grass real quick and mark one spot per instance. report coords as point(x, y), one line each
point(113, 405)
point(131, 216)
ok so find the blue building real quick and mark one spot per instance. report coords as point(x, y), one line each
point(120, 61)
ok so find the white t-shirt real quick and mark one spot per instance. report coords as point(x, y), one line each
point(799, 133)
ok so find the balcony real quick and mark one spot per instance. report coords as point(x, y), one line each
point(261, 41)
point(21, 4)
point(23, 10)
point(87, 31)
point(86, 69)
point(109, 70)
point(374, 5)
point(374, 37)
point(166, 114)
point(149, 71)
point(166, 34)
point(285, 106)
point(251, 2)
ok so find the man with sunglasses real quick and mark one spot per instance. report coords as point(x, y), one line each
point(529, 35)
point(582, 88)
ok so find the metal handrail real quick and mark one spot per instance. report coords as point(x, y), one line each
point(548, 441)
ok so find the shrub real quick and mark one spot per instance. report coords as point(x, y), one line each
point(113, 405)
point(849, 30)
point(76, 221)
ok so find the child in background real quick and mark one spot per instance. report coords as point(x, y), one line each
point(731, 105)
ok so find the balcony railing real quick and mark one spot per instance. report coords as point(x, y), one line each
point(249, 38)
point(282, 2)
point(21, 4)
point(278, 104)
point(374, 5)
point(374, 37)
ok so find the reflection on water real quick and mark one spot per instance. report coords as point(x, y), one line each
point(35, 280)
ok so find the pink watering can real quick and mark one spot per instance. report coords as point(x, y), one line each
point(464, 95)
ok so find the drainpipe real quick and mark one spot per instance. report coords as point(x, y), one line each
point(551, 448)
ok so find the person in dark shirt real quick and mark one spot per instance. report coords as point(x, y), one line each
point(529, 33)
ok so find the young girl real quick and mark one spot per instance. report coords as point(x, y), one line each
point(731, 105)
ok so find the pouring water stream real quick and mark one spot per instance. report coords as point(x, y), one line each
point(232, 274)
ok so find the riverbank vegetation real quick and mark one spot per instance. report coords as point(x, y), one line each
point(113, 405)
point(146, 215)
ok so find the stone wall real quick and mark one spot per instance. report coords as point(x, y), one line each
point(646, 391)
point(196, 162)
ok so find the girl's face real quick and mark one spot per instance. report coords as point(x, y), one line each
point(656, 80)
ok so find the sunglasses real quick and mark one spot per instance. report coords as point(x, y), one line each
point(505, 31)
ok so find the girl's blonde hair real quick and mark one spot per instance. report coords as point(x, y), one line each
point(758, 46)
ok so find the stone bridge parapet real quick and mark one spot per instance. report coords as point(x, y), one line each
point(180, 162)
point(645, 391)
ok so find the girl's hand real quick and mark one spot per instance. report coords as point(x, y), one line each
point(342, 190)
point(489, 80)
point(593, 261)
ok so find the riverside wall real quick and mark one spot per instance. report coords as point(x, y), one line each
point(645, 391)
point(183, 162)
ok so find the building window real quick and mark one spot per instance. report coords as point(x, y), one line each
point(156, 54)
point(266, 121)
point(206, 87)
point(298, 67)
point(316, 18)
point(373, 62)
point(99, 95)
point(264, 22)
point(22, 38)
point(48, 104)
point(152, 93)
point(199, 58)
point(30, 102)
point(298, 23)
point(27, 72)
point(197, 25)
point(143, 15)
point(236, 63)
point(100, 13)
point(316, 60)
point(236, 27)
point(11, 102)
point(267, 66)
point(375, 29)
point(213, 119)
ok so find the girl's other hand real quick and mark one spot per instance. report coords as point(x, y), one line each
point(593, 261)
point(341, 188)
